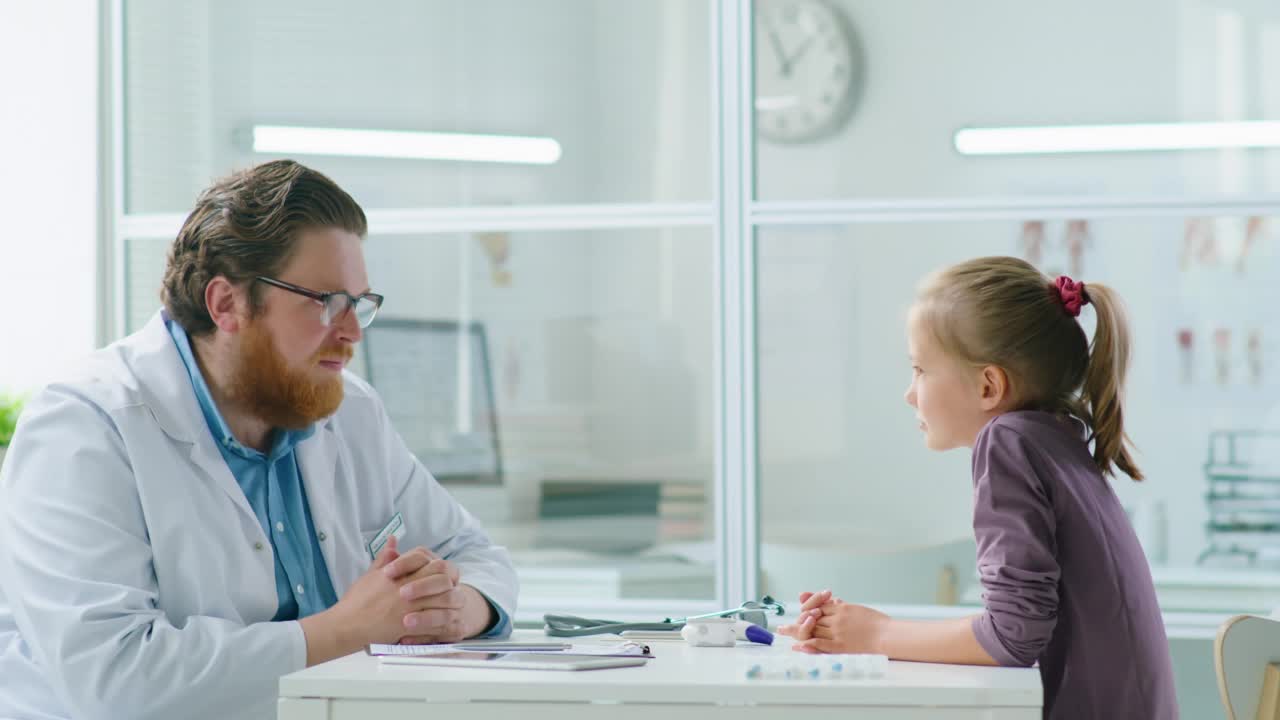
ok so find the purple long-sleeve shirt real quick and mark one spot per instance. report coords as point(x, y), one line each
point(1066, 581)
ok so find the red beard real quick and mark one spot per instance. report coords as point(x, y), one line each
point(263, 384)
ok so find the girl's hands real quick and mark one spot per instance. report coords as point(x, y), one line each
point(810, 610)
point(846, 628)
point(827, 624)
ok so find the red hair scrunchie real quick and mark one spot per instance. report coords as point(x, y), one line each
point(1072, 294)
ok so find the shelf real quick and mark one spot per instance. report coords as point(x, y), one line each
point(1222, 504)
point(1241, 473)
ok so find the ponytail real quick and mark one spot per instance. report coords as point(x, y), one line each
point(1002, 311)
point(1104, 380)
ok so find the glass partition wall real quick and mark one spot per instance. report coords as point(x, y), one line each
point(538, 181)
point(691, 291)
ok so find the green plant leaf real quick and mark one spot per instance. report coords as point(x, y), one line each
point(10, 408)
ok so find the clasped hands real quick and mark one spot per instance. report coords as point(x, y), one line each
point(827, 624)
point(415, 597)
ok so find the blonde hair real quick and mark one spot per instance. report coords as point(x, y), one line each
point(1002, 311)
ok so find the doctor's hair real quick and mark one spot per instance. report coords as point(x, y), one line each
point(246, 225)
point(1002, 311)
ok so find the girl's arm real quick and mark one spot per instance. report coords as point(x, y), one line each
point(1015, 528)
point(945, 641)
point(839, 627)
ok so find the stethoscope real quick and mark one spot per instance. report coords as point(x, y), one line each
point(754, 611)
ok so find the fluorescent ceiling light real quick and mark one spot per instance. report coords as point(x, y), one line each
point(1117, 138)
point(287, 140)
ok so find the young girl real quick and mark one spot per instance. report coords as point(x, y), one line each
point(1002, 365)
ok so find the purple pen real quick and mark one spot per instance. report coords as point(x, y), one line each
point(752, 632)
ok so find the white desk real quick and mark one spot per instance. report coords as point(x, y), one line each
point(681, 682)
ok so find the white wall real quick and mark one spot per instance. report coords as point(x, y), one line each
point(48, 186)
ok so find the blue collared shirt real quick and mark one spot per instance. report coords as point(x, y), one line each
point(273, 485)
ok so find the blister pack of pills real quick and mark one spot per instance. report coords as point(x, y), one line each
point(795, 666)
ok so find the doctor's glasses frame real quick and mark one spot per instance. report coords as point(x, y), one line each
point(336, 303)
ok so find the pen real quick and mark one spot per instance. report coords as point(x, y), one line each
point(522, 647)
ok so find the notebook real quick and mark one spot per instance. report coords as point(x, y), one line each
point(514, 661)
point(622, 649)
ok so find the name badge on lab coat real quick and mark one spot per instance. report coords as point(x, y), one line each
point(394, 527)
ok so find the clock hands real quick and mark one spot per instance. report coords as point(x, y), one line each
point(789, 62)
point(785, 62)
point(778, 52)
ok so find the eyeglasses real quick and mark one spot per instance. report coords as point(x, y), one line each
point(335, 304)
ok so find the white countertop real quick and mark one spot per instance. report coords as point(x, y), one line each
point(679, 674)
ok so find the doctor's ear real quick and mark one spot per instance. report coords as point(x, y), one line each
point(228, 305)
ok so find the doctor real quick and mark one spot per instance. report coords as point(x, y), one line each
point(215, 502)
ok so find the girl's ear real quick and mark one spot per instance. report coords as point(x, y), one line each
point(993, 387)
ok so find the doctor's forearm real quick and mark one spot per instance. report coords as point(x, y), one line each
point(329, 636)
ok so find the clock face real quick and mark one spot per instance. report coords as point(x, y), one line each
point(808, 68)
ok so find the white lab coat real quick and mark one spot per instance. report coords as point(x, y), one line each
point(135, 580)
